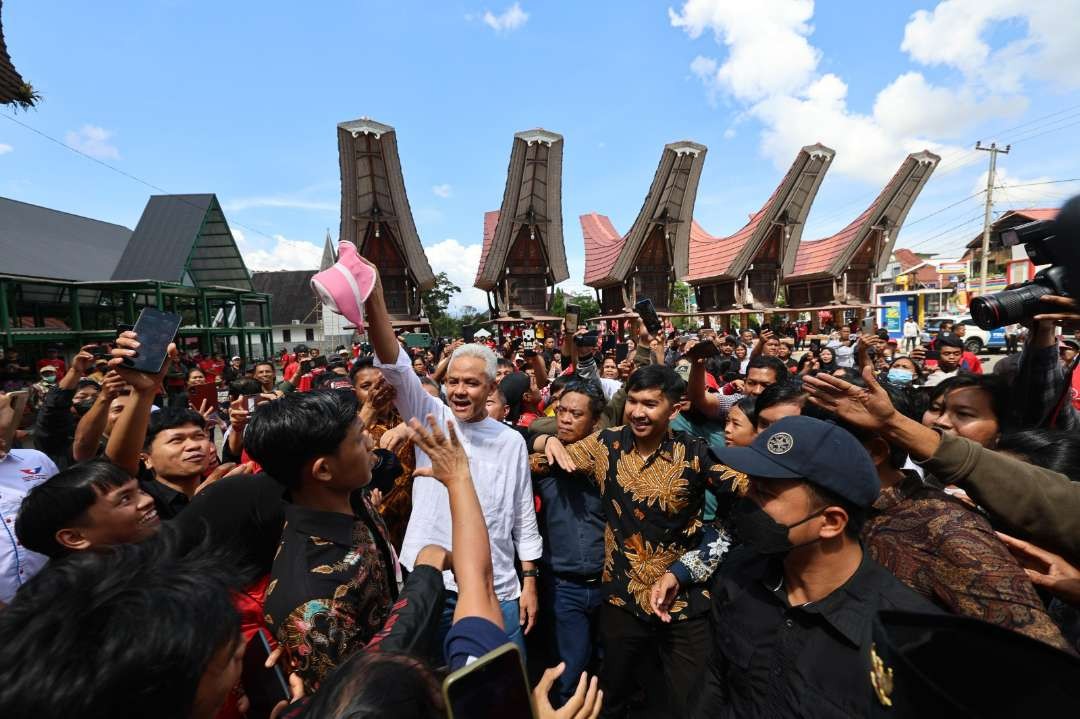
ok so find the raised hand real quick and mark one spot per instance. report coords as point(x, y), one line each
point(84, 360)
point(127, 345)
point(585, 703)
point(449, 463)
point(867, 408)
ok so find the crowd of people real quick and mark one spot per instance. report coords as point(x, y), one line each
point(689, 523)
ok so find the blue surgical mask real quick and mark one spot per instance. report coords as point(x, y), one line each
point(901, 376)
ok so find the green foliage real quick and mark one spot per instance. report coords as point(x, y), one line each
point(680, 304)
point(585, 300)
point(436, 301)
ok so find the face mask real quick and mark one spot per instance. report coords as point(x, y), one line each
point(901, 376)
point(759, 531)
point(48, 378)
point(83, 407)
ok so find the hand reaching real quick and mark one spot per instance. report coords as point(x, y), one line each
point(867, 408)
point(585, 703)
point(449, 463)
point(84, 360)
point(1046, 569)
point(127, 345)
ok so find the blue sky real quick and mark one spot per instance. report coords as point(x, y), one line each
point(242, 99)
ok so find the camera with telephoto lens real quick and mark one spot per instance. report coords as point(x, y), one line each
point(1048, 242)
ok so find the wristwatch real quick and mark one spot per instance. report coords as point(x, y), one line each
point(530, 573)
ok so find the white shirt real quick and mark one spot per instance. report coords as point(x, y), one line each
point(911, 329)
point(938, 376)
point(845, 355)
point(610, 387)
point(499, 464)
point(20, 471)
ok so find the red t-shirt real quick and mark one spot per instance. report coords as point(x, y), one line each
point(59, 364)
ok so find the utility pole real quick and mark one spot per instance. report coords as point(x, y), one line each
point(993, 150)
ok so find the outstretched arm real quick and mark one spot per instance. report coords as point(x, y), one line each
point(472, 548)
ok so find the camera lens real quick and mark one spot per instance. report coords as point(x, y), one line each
point(1008, 307)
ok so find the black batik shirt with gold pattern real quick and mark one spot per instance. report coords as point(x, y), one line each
point(331, 587)
point(653, 506)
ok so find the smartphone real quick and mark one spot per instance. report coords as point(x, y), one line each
point(621, 351)
point(265, 688)
point(647, 311)
point(251, 401)
point(305, 367)
point(492, 687)
point(587, 340)
point(703, 350)
point(528, 337)
point(17, 402)
point(468, 332)
point(608, 344)
point(199, 393)
point(815, 346)
point(155, 329)
point(570, 321)
point(529, 352)
point(319, 361)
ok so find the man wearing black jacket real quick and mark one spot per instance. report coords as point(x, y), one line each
point(73, 396)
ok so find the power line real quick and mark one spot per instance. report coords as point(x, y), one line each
point(947, 207)
point(1046, 132)
point(126, 174)
point(946, 231)
point(1034, 184)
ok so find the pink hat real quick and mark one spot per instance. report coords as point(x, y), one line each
point(346, 285)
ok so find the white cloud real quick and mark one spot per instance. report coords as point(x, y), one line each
point(729, 133)
point(285, 201)
point(953, 34)
point(509, 19)
point(768, 50)
point(93, 141)
point(459, 262)
point(772, 71)
point(283, 254)
point(5, 149)
point(444, 190)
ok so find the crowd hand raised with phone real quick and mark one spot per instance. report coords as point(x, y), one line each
point(127, 347)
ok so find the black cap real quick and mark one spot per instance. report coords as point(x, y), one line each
point(944, 665)
point(805, 448)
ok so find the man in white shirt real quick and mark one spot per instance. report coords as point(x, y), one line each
point(497, 458)
point(911, 335)
point(20, 471)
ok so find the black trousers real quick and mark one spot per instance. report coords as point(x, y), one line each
point(631, 644)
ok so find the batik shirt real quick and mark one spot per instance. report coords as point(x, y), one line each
point(653, 506)
point(397, 503)
point(332, 586)
point(949, 554)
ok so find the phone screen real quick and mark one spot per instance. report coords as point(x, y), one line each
point(17, 402)
point(264, 688)
point(251, 401)
point(468, 332)
point(621, 350)
point(200, 393)
point(647, 311)
point(492, 687)
point(571, 319)
point(305, 366)
point(155, 330)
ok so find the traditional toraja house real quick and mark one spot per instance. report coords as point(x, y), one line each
point(743, 270)
point(523, 257)
point(837, 272)
point(13, 89)
point(654, 253)
point(376, 217)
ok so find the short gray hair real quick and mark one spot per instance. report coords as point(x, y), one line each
point(480, 352)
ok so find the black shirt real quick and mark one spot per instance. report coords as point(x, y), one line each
point(571, 518)
point(167, 500)
point(772, 659)
point(332, 586)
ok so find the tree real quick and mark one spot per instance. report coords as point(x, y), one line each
point(435, 303)
point(682, 303)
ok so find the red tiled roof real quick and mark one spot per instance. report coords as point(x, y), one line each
point(712, 256)
point(491, 219)
point(907, 258)
point(602, 245)
point(817, 256)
